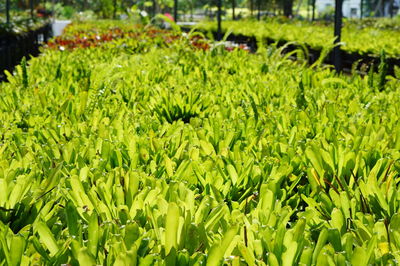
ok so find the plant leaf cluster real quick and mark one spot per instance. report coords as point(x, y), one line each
point(178, 156)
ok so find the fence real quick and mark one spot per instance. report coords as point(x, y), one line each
point(13, 48)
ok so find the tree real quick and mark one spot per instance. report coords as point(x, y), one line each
point(287, 6)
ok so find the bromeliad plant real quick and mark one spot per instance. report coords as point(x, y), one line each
point(100, 33)
point(368, 40)
point(132, 38)
point(180, 156)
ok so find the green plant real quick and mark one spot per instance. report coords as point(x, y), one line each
point(182, 156)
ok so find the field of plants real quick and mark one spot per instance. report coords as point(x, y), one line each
point(148, 147)
point(366, 38)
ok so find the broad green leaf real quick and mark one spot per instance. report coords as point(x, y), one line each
point(47, 237)
point(217, 250)
point(85, 258)
point(232, 173)
point(93, 234)
point(17, 249)
point(171, 227)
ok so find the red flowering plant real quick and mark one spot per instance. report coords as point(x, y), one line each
point(131, 37)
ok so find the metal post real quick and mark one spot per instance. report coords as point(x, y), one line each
point(259, 9)
point(31, 7)
point(337, 57)
point(219, 31)
point(114, 9)
point(313, 10)
point(53, 17)
point(391, 8)
point(8, 11)
point(233, 9)
point(176, 11)
point(361, 8)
